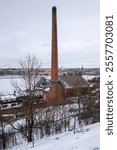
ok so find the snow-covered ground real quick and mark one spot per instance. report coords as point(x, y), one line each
point(87, 140)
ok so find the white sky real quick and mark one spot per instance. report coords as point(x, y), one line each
point(25, 27)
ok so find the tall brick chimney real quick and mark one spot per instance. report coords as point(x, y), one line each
point(54, 53)
point(56, 92)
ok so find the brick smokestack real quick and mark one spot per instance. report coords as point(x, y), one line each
point(54, 53)
point(56, 93)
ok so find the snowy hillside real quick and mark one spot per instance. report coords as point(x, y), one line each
point(89, 139)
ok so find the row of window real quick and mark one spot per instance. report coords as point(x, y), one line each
point(11, 105)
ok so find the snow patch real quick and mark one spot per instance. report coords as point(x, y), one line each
point(87, 140)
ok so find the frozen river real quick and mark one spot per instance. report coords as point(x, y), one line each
point(6, 86)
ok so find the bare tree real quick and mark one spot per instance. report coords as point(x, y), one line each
point(28, 90)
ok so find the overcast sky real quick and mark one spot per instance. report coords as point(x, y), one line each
point(25, 27)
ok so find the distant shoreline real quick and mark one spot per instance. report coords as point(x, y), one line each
point(10, 76)
point(20, 76)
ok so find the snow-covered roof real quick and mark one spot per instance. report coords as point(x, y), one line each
point(47, 89)
point(68, 81)
point(42, 82)
point(7, 97)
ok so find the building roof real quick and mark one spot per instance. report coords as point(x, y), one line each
point(73, 81)
point(68, 81)
point(7, 97)
point(43, 82)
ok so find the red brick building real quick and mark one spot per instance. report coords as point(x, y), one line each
point(64, 86)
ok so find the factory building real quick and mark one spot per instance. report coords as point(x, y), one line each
point(62, 87)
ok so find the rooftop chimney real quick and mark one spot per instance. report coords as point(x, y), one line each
point(54, 54)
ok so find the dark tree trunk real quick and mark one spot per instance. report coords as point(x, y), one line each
point(3, 138)
point(30, 128)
